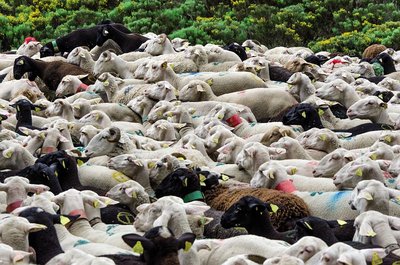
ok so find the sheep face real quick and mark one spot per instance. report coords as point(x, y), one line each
point(69, 85)
point(156, 46)
point(156, 72)
point(161, 130)
point(157, 112)
point(103, 34)
point(266, 175)
point(87, 132)
point(162, 90)
point(105, 63)
point(73, 56)
point(340, 253)
point(127, 164)
point(245, 158)
point(322, 140)
point(21, 66)
point(10, 256)
point(104, 142)
point(369, 195)
point(179, 43)
point(306, 247)
point(192, 91)
point(394, 168)
point(29, 49)
point(229, 151)
point(350, 174)
point(130, 193)
point(239, 214)
point(366, 108)
point(333, 90)
point(332, 163)
point(380, 150)
point(141, 70)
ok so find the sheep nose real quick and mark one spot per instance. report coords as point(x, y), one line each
point(314, 171)
point(334, 177)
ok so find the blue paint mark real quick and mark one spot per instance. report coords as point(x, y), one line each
point(110, 229)
point(315, 193)
point(337, 197)
point(81, 242)
point(220, 164)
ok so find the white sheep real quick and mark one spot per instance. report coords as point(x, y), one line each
point(371, 108)
point(221, 83)
point(340, 91)
point(278, 99)
point(328, 205)
point(81, 57)
point(71, 84)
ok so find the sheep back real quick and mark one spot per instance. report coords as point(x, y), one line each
point(291, 207)
point(373, 50)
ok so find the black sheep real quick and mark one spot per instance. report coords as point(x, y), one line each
point(253, 214)
point(183, 183)
point(386, 61)
point(50, 72)
point(278, 73)
point(238, 49)
point(44, 242)
point(80, 37)
point(306, 115)
point(24, 114)
point(127, 42)
point(384, 95)
point(316, 59)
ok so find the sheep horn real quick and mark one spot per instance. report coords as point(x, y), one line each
point(115, 134)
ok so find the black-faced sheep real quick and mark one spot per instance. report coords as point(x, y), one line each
point(50, 72)
point(79, 37)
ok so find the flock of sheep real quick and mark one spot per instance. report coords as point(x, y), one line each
point(118, 148)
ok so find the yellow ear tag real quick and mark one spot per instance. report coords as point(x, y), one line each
point(79, 162)
point(274, 207)
point(96, 204)
point(371, 233)
point(388, 139)
point(304, 114)
point(8, 154)
point(184, 182)
point(373, 156)
point(192, 146)
point(210, 82)
point(248, 49)
point(359, 172)
point(188, 245)
point(172, 66)
point(220, 117)
point(293, 171)
point(181, 158)
point(151, 165)
point(106, 83)
point(341, 222)
point(134, 195)
point(368, 196)
point(64, 220)
point(323, 137)
point(224, 177)
point(176, 92)
point(63, 164)
point(308, 225)
point(56, 173)
point(165, 145)
point(17, 108)
point(376, 260)
point(159, 113)
point(169, 114)
point(42, 135)
point(380, 96)
point(202, 178)
point(271, 175)
point(321, 112)
point(37, 109)
point(138, 248)
point(215, 140)
point(290, 86)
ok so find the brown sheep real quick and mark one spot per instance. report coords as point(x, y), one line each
point(291, 207)
point(373, 50)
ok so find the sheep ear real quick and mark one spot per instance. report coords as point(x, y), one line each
point(163, 219)
point(196, 207)
point(95, 101)
point(18, 255)
point(383, 105)
point(131, 193)
point(138, 243)
point(349, 157)
point(204, 220)
point(82, 76)
point(365, 195)
point(366, 230)
point(141, 207)
point(8, 153)
point(345, 258)
point(200, 88)
point(269, 173)
point(164, 65)
point(185, 241)
point(63, 139)
point(32, 227)
point(374, 254)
